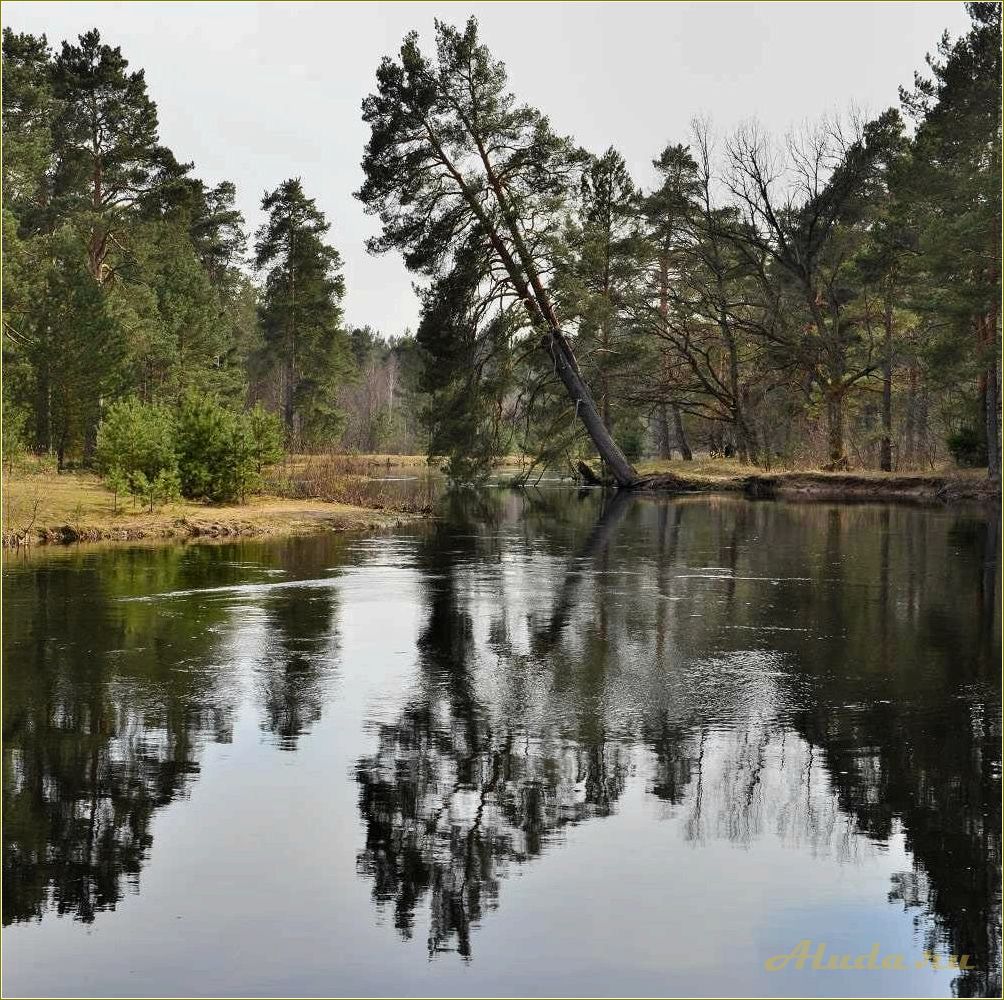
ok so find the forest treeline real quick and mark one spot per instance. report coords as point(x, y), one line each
point(831, 296)
point(126, 277)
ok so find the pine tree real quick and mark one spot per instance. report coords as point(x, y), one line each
point(601, 268)
point(301, 314)
point(668, 214)
point(956, 187)
point(468, 368)
point(452, 158)
point(26, 151)
point(194, 345)
point(217, 231)
point(108, 154)
point(883, 266)
point(76, 349)
point(28, 108)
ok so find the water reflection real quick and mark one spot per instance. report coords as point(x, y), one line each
point(299, 649)
point(827, 692)
point(821, 677)
point(104, 710)
point(453, 798)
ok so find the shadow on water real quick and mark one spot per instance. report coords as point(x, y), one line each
point(824, 676)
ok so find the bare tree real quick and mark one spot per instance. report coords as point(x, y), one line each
point(800, 209)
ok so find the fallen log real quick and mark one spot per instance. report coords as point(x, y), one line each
point(587, 475)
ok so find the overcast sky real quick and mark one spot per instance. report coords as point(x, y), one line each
point(258, 92)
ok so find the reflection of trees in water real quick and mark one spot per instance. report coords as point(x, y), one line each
point(451, 799)
point(842, 679)
point(756, 779)
point(296, 661)
point(446, 817)
point(103, 715)
point(109, 697)
point(835, 685)
point(299, 648)
point(912, 737)
point(935, 775)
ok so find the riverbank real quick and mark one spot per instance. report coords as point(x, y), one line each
point(45, 508)
point(941, 486)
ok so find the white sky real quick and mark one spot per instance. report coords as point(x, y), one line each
point(258, 92)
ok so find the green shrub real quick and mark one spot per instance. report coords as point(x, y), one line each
point(266, 436)
point(207, 452)
point(204, 438)
point(163, 487)
point(221, 454)
point(968, 446)
point(135, 450)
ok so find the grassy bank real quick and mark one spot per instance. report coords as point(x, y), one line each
point(357, 465)
point(310, 493)
point(947, 485)
point(40, 506)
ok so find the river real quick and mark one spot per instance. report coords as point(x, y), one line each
point(547, 743)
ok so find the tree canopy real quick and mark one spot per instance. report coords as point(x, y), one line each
point(826, 297)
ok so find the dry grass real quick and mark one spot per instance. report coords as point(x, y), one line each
point(352, 465)
point(705, 468)
point(362, 465)
point(942, 485)
point(727, 468)
point(338, 479)
point(39, 505)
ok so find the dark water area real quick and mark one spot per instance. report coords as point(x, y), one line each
point(545, 744)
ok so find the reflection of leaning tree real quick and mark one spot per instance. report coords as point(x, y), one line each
point(451, 801)
point(456, 793)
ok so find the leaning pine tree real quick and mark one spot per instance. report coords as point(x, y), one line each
point(452, 157)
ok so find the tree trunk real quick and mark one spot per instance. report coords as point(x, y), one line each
point(885, 457)
point(614, 459)
point(681, 437)
point(287, 402)
point(604, 413)
point(43, 409)
point(835, 425)
point(738, 415)
point(751, 445)
point(662, 424)
point(587, 475)
point(910, 429)
point(923, 430)
point(526, 280)
point(993, 423)
point(90, 441)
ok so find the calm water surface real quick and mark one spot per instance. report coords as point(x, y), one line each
point(546, 744)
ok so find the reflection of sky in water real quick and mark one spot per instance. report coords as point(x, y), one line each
point(656, 820)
